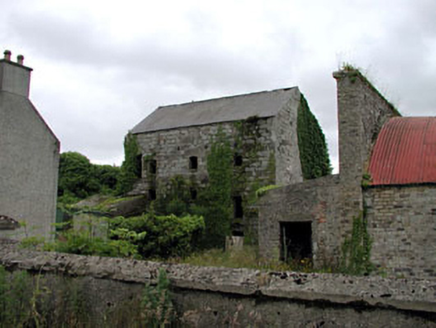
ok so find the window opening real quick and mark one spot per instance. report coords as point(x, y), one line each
point(193, 193)
point(138, 165)
point(193, 163)
point(237, 160)
point(237, 206)
point(295, 241)
point(152, 166)
point(152, 194)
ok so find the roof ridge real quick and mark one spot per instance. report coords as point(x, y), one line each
point(227, 97)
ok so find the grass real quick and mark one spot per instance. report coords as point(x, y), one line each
point(248, 257)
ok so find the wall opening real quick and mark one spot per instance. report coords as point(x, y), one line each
point(152, 166)
point(152, 194)
point(237, 160)
point(295, 241)
point(237, 207)
point(138, 164)
point(193, 193)
point(193, 163)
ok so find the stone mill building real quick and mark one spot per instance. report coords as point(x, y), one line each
point(29, 157)
point(387, 173)
point(262, 127)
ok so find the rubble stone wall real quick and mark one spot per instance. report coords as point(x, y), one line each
point(222, 297)
point(402, 225)
point(312, 201)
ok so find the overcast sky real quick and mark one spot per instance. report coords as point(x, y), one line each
point(100, 67)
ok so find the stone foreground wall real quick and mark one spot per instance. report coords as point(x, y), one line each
point(220, 297)
point(402, 224)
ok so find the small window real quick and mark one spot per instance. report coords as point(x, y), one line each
point(152, 166)
point(237, 160)
point(237, 206)
point(152, 194)
point(193, 193)
point(193, 163)
point(138, 166)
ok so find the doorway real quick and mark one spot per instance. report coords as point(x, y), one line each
point(295, 240)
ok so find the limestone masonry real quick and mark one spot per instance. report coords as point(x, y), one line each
point(400, 214)
point(312, 218)
point(216, 297)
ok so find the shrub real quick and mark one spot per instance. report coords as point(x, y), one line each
point(166, 236)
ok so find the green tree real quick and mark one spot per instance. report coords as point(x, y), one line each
point(131, 167)
point(79, 178)
point(76, 176)
point(108, 176)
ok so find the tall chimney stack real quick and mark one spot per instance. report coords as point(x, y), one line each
point(14, 77)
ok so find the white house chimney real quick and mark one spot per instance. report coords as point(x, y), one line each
point(14, 77)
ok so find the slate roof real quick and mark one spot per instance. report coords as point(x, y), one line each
point(227, 109)
point(405, 152)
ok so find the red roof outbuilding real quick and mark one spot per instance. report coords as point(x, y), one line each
point(405, 152)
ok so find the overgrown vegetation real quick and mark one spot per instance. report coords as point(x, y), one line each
point(215, 201)
point(79, 178)
point(142, 237)
point(314, 157)
point(165, 236)
point(156, 302)
point(356, 250)
point(131, 166)
point(30, 301)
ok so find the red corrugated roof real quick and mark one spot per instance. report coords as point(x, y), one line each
point(405, 152)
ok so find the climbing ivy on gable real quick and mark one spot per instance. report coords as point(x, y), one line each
point(131, 167)
point(314, 157)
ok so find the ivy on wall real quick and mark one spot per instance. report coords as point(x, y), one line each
point(215, 201)
point(356, 249)
point(314, 157)
point(131, 167)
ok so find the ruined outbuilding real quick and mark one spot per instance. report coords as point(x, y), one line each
point(387, 175)
point(29, 157)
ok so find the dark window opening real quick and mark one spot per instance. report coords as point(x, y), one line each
point(237, 206)
point(238, 233)
point(152, 194)
point(193, 162)
point(193, 193)
point(295, 240)
point(237, 160)
point(152, 166)
point(138, 165)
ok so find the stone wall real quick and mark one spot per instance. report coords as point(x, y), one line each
point(268, 148)
point(402, 224)
point(313, 201)
point(172, 149)
point(362, 111)
point(285, 138)
point(220, 297)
